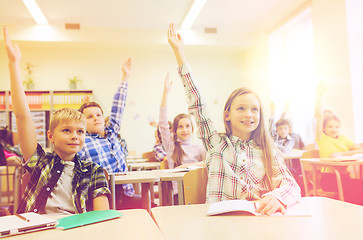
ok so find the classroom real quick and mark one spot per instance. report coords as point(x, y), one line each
point(280, 49)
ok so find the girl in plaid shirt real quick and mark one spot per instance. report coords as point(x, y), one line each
point(242, 163)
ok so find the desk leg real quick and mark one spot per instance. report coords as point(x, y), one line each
point(166, 193)
point(16, 188)
point(339, 184)
point(314, 181)
point(113, 191)
point(161, 192)
point(145, 196)
point(180, 192)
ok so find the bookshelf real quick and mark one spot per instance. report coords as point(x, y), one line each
point(41, 104)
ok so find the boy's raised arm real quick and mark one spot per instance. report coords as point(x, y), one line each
point(24, 122)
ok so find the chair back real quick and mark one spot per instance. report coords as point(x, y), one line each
point(195, 186)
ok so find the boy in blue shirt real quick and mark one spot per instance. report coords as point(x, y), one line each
point(102, 145)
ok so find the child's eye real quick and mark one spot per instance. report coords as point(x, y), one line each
point(240, 108)
point(255, 109)
point(66, 130)
point(80, 132)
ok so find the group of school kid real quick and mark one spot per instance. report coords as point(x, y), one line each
point(243, 163)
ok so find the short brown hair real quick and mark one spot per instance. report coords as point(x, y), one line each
point(65, 115)
point(89, 104)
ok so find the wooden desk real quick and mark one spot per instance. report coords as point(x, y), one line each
point(339, 167)
point(134, 224)
point(143, 166)
point(331, 219)
point(143, 177)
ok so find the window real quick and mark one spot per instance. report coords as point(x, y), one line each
point(292, 72)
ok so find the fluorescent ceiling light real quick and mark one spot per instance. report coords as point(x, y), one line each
point(35, 11)
point(193, 13)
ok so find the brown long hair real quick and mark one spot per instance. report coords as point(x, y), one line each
point(178, 152)
point(260, 135)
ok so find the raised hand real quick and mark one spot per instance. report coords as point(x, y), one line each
point(177, 44)
point(126, 69)
point(167, 83)
point(174, 39)
point(13, 51)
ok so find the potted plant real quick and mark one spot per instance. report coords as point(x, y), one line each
point(73, 82)
point(29, 82)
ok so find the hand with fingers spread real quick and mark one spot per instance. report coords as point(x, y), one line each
point(167, 87)
point(177, 44)
point(269, 205)
point(126, 69)
point(12, 50)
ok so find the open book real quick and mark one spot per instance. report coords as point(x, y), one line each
point(249, 208)
point(25, 222)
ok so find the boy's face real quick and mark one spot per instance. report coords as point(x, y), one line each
point(283, 131)
point(95, 120)
point(68, 139)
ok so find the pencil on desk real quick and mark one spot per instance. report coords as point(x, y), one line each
point(22, 217)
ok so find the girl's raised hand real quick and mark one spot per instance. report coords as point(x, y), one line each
point(270, 205)
point(174, 39)
point(13, 51)
point(167, 83)
point(126, 69)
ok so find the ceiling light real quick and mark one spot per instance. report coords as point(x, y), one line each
point(193, 13)
point(35, 11)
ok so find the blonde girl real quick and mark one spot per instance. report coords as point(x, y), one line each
point(242, 163)
point(333, 144)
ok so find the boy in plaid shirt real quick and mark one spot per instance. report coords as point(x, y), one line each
point(60, 182)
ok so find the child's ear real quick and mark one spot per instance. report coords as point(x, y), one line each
point(226, 116)
point(50, 136)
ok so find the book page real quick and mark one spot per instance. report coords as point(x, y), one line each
point(250, 207)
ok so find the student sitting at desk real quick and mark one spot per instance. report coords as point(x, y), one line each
point(59, 182)
point(333, 144)
point(102, 145)
point(242, 163)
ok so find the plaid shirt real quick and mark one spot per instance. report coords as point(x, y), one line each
point(159, 152)
point(107, 151)
point(89, 182)
point(284, 144)
point(235, 168)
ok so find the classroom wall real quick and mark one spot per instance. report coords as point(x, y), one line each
point(217, 70)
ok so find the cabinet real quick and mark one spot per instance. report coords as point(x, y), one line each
point(41, 104)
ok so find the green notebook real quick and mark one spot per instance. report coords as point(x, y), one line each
point(86, 218)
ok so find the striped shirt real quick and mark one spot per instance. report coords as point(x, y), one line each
point(235, 168)
point(107, 151)
point(88, 182)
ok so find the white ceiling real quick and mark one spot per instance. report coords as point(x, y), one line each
point(232, 16)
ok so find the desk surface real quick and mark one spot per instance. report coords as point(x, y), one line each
point(125, 227)
point(331, 219)
point(332, 161)
point(136, 177)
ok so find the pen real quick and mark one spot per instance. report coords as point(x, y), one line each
point(22, 217)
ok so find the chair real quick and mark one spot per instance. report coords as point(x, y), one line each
point(309, 171)
point(195, 186)
point(151, 158)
